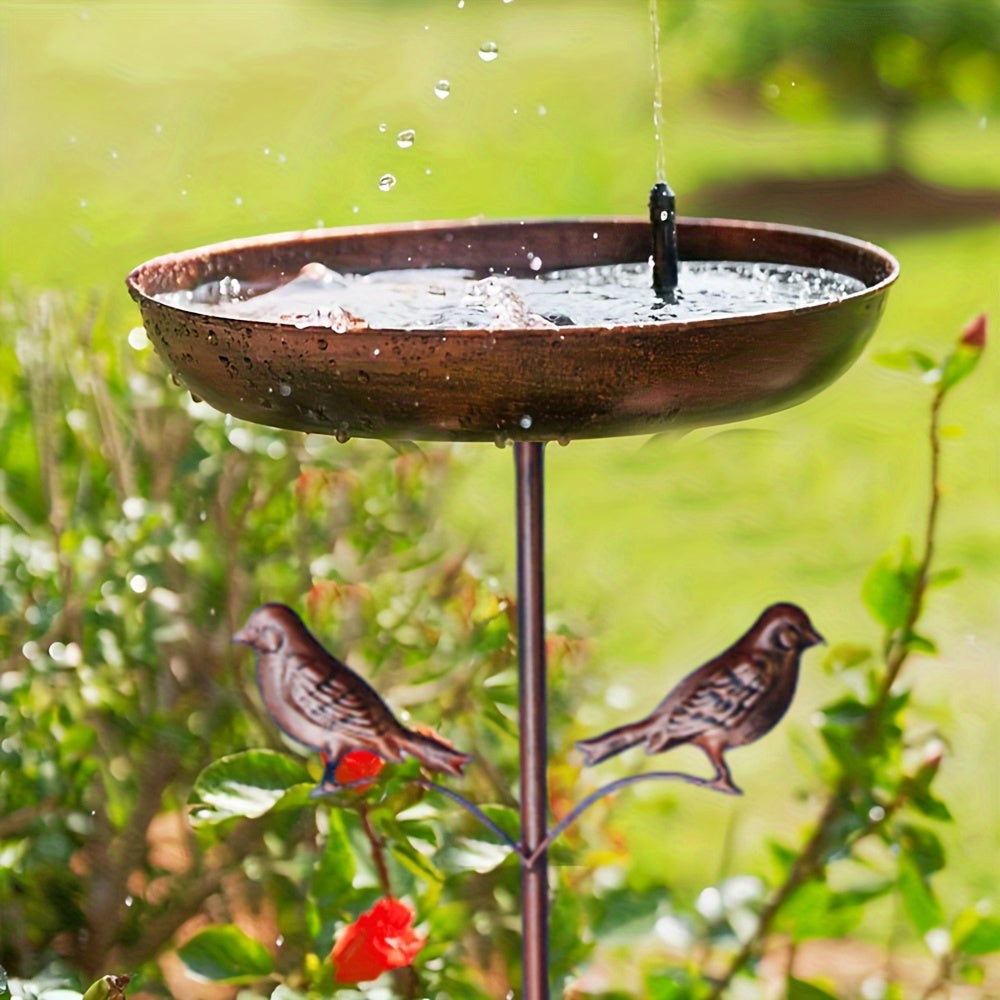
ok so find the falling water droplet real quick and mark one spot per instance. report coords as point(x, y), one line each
point(442, 89)
point(284, 389)
point(525, 422)
point(488, 51)
point(382, 126)
point(535, 263)
point(342, 434)
point(500, 441)
point(563, 440)
point(406, 138)
point(386, 182)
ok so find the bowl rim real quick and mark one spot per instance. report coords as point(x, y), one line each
point(136, 284)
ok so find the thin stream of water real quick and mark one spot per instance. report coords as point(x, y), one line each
point(661, 147)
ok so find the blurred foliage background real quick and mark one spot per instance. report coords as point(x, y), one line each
point(137, 530)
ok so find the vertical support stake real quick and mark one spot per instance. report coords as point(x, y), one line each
point(533, 714)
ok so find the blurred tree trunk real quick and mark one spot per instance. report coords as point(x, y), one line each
point(896, 117)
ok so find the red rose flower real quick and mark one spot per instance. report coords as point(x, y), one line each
point(358, 766)
point(379, 940)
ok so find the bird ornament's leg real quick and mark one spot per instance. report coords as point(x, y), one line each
point(723, 780)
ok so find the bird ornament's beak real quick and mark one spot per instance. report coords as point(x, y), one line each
point(242, 637)
point(815, 639)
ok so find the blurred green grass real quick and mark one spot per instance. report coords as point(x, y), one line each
point(131, 130)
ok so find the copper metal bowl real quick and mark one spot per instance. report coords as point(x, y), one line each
point(489, 385)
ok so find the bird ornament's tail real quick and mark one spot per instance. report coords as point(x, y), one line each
point(433, 752)
point(599, 748)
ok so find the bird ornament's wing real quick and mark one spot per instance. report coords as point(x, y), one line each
point(716, 699)
point(330, 695)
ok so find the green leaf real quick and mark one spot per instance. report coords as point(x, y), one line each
point(942, 577)
point(847, 711)
point(930, 806)
point(799, 989)
point(623, 914)
point(982, 938)
point(923, 846)
point(107, 988)
point(415, 863)
point(674, 984)
point(845, 656)
point(921, 644)
point(494, 635)
point(225, 954)
point(247, 784)
point(905, 360)
point(959, 365)
point(918, 900)
point(814, 911)
point(887, 591)
point(505, 817)
point(468, 855)
point(333, 874)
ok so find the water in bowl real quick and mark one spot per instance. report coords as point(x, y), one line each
point(452, 299)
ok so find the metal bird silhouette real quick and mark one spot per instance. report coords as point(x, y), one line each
point(322, 703)
point(727, 702)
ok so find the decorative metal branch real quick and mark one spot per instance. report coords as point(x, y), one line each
point(613, 786)
point(473, 810)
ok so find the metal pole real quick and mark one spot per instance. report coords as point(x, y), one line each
point(529, 465)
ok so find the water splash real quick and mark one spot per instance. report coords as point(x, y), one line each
point(442, 299)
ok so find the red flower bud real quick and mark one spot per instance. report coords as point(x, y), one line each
point(379, 940)
point(974, 335)
point(357, 766)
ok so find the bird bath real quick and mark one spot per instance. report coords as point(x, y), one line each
point(528, 385)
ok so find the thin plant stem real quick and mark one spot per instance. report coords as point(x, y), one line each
point(810, 861)
point(378, 849)
point(406, 979)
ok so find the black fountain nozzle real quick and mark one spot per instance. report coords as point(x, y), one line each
point(663, 217)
